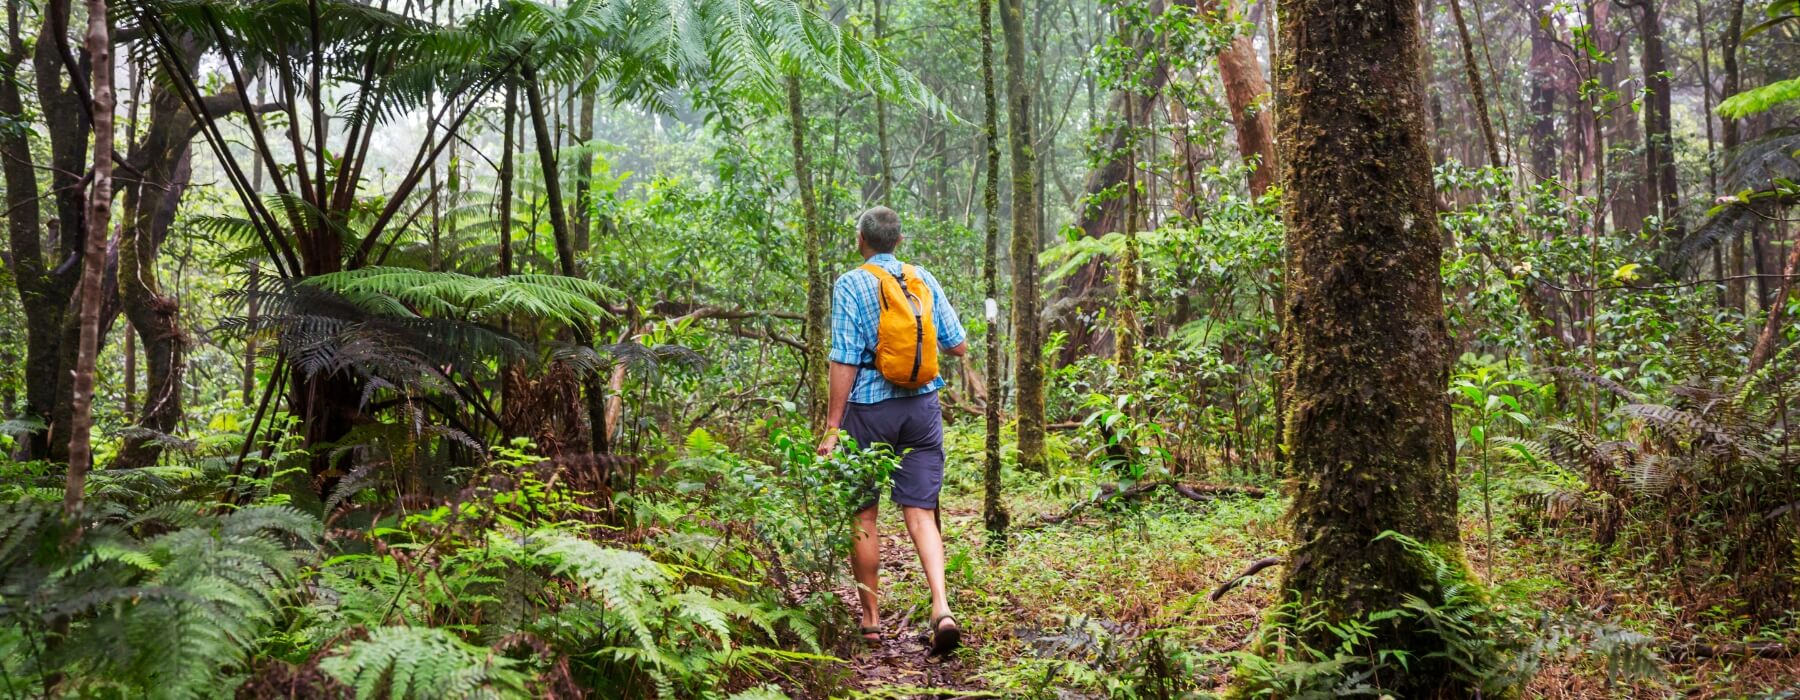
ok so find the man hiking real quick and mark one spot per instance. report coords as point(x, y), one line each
point(889, 322)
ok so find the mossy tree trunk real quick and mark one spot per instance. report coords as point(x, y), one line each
point(1027, 327)
point(818, 293)
point(1368, 418)
point(993, 511)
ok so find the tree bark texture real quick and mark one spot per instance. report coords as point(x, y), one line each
point(1368, 420)
point(1544, 69)
point(1028, 339)
point(1660, 175)
point(1246, 94)
point(99, 203)
point(993, 510)
point(818, 292)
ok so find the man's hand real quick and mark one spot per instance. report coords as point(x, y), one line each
point(828, 444)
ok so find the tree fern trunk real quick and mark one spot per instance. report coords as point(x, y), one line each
point(1368, 424)
point(99, 216)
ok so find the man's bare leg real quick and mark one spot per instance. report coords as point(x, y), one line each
point(921, 523)
point(865, 565)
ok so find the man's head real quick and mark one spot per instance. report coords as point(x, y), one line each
point(878, 230)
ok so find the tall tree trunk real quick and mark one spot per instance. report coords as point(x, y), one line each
point(1027, 327)
point(38, 296)
point(49, 376)
point(1543, 98)
point(818, 293)
point(1730, 135)
point(1246, 94)
point(511, 114)
point(1367, 348)
point(993, 509)
point(1659, 140)
point(99, 216)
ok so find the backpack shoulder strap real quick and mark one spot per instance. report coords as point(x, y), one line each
point(876, 270)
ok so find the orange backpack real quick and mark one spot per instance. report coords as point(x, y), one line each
point(906, 350)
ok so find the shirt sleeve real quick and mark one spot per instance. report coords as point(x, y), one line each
point(950, 331)
point(849, 335)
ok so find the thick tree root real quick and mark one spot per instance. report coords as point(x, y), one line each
point(1239, 579)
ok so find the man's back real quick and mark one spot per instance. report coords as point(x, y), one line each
point(855, 312)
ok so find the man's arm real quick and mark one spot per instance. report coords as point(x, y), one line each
point(842, 377)
point(952, 339)
point(847, 343)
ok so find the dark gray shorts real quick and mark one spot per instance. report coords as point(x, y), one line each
point(913, 427)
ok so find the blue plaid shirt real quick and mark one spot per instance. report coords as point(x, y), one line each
point(855, 313)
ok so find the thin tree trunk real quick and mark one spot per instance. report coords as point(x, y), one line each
point(1126, 332)
point(130, 407)
point(1772, 326)
point(546, 148)
point(993, 511)
point(818, 295)
point(511, 112)
point(1736, 291)
point(1027, 327)
point(1368, 429)
point(885, 192)
point(584, 186)
point(1477, 94)
point(99, 217)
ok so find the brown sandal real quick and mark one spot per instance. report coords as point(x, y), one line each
point(871, 634)
point(944, 639)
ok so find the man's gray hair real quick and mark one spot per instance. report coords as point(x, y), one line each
point(880, 228)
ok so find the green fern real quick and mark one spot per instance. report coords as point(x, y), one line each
point(424, 662)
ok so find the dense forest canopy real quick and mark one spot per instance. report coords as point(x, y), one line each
point(480, 348)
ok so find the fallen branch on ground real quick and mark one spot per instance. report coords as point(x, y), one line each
point(1110, 492)
point(1239, 579)
point(1699, 650)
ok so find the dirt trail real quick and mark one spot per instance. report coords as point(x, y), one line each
point(899, 667)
